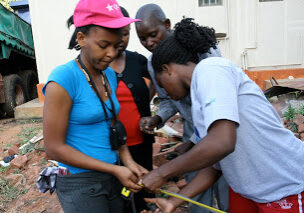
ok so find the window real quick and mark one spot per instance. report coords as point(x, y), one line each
point(269, 0)
point(204, 3)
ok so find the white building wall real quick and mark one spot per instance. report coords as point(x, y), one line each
point(51, 36)
point(260, 35)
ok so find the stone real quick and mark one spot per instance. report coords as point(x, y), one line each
point(302, 136)
point(19, 162)
point(301, 128)
point(16, 180)
point(13, 150)
point(29, 110)
point(299, 119)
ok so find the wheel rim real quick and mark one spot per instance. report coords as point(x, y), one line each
point(19, 98)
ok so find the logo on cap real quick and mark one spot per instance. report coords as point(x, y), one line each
point(110, 7)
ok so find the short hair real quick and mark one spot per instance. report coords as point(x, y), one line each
point(151, 11)
point(188, 41)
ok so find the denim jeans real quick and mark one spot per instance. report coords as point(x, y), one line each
point(92, 192)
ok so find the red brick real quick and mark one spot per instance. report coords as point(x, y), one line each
point(19, 162)
point(13, 150)
point(299, 119)
point(301, 128)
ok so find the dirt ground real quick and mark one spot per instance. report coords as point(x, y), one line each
point(18, 191)
point(21, 194)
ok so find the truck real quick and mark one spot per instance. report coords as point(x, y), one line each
point(18, 71)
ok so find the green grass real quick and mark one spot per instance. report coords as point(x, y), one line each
point(8, 193)
point(30, 148)
point(301, 110)
point(16, 171)
point(28, 133)
point(3, 169)
point(290, 113)
point(29, 121)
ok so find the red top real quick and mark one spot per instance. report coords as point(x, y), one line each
point(129, 114)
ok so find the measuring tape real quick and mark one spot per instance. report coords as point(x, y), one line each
point(126, 193)
point(172, 194)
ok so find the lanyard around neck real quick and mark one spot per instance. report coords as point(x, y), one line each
point(91, 82)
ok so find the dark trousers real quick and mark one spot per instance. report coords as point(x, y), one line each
point(90, 192)
point(142, 154)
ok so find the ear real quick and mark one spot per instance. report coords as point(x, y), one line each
point(81, 39)
point(165, 69)
point(167, 24)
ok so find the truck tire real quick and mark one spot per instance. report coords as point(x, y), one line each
point(30, 81)
point(14, 93)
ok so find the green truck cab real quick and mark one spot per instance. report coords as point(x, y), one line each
point(18, 71)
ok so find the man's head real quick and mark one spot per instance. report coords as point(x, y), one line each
point(154, 26)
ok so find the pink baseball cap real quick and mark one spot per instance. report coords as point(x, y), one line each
point(105, 13)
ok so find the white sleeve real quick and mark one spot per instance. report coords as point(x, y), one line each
point(216, 90)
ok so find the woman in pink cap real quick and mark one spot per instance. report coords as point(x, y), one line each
point(80, 121)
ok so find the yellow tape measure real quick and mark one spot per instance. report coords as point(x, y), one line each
point(172, 194)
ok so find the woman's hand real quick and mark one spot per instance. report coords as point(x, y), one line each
point(127, 178)
point(128, 161)
point(137, 169)
point(164, 205)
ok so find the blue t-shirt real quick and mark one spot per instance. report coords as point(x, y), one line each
point(88, 130)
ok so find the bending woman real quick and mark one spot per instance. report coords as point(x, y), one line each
point(133, 96)
point(79, 105)
point(238, 131)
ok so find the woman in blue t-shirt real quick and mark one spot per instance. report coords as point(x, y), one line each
point(79, 105)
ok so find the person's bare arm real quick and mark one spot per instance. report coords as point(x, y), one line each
point(56, 113)
point(129, 162)
point(201, 182)
point(219, 142)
